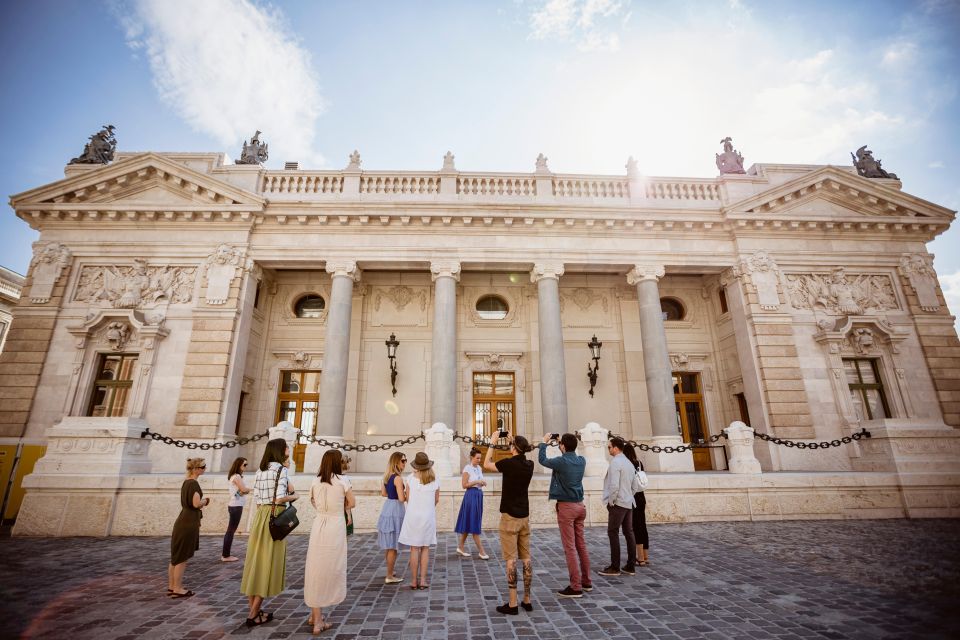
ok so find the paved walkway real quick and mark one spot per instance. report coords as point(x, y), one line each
point(786, 580)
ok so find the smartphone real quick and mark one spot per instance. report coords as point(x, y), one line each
point(502, 434)
point(554, 436)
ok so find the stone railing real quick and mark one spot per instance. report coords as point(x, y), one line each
point(494, 185)
point(454, 185)
point(10, 290)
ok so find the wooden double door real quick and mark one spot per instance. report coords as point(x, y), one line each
point(691, 418)
point(494, 404)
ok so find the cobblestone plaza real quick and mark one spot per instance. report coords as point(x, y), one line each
point(799, 579)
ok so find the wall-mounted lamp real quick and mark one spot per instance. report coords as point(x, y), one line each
point(392, 345)
point(594, 345)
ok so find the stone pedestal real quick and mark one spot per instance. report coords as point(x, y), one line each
point(740, 456)
point(668, 462)
point(593, 447)
point(909, 446)
point(441, 448)
point(100, 450)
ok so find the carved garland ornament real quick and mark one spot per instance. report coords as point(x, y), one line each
point(840, 294)
point(918, 269)
point(131, 287)
point(219, 270)
point(583, 298)
point(49, 261)
point(401, 296)
point(764, 275)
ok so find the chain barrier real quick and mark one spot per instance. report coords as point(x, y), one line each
point(863, 433)
point(365, 447)
point(668, 449)
point(487, 442)
point(203, 446)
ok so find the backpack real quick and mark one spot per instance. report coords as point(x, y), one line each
point(640, 481)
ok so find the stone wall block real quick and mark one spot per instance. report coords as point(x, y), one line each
point(207, 358)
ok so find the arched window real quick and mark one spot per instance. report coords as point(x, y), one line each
point(492, 307)
point(672, 309)
point(310, 306)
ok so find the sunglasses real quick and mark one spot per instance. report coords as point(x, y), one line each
point(203, 467)
point(404, 460)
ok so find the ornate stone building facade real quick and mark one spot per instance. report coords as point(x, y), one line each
point(206, 301)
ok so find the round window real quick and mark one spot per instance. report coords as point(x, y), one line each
point(672, 309)
point(310, 307)
point(492, 308)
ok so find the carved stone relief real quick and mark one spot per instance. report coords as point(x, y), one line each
point(116, 335)
point(49, 261)
point(861, 340)
point(219, 270)
point(583, 298)
point(840, 294)
point(400, 305)
point(765, 276)
point(136, 286)
point(400, 296)
point(918, 269)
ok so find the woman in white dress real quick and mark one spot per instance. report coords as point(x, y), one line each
point(419, 530)
point(325, 582)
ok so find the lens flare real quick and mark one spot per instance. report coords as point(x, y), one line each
point(391, 407)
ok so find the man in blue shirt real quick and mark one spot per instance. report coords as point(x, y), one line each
point(566, 487)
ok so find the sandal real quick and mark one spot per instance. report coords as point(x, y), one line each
point(262, 617)
point(423, 587)
point(323, 626)
point(173, 595)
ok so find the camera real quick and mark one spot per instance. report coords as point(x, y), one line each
point(554, 436)
point(502, 434)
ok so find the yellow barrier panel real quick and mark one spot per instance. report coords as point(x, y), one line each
point(28, 458)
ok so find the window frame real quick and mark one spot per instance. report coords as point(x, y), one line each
point(862, 387)
point(99, 360)
point(301, 299)
point(491, 296)
point(678, 303)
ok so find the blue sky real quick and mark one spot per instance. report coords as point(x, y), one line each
point(586, 82)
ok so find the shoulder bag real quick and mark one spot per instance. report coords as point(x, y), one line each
point(640, 480)
point(281, 525)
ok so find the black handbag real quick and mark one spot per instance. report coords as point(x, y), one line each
point(281, 525)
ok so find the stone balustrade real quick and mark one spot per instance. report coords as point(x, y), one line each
point(455, 185)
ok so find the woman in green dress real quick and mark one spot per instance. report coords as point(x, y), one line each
point(186, 530)
point(265, 566)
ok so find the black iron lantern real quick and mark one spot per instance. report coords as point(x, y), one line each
point(392, 345)
point(594, 345)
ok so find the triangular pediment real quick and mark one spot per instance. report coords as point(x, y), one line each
point(148, 179)
point(831, 192)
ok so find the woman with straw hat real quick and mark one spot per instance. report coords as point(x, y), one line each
point(419, 530)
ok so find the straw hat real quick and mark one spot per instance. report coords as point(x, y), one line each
point(421, 462)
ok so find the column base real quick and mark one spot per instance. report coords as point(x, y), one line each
point(668, 462)
point(441, 448)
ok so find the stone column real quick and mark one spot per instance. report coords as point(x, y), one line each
point(553, 379)
point(657, 370)
point(336, 349)
point(443, 358)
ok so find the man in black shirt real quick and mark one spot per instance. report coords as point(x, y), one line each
point(515, 519)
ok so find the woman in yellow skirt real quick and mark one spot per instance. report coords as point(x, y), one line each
point(264, 569)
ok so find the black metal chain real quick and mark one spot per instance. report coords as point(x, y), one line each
point(365, 447)
point(203, 446)
point(863, 433)
point(680, 448)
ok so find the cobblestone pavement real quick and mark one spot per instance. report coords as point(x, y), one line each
point(787, 580)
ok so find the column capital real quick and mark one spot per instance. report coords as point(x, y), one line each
point(347, 268)
point(444, 269)
point(641, 272)
point(548, 269)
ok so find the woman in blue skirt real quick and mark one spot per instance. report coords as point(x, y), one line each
point(471, 509)
point(391, 516)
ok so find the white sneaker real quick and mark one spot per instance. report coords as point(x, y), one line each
point(465, 554)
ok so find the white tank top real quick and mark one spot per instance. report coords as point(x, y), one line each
point(237, 499)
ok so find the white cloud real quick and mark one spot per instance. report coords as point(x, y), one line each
point(900, 54)
point(936, 164)
point(590, 24)
point(228, 68)
point(950, 285)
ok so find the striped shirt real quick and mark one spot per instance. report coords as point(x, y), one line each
point(264, 481)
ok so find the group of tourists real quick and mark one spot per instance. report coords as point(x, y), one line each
point(409, 519)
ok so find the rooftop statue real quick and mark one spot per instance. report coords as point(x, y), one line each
point(354, 164)
point(868, 167)
point(254, 151)
point(100, 148)
point(729, 161)
point(542, 164)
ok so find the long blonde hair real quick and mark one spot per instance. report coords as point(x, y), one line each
point(426, 476)
point(195, 463)
point(393, 466)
